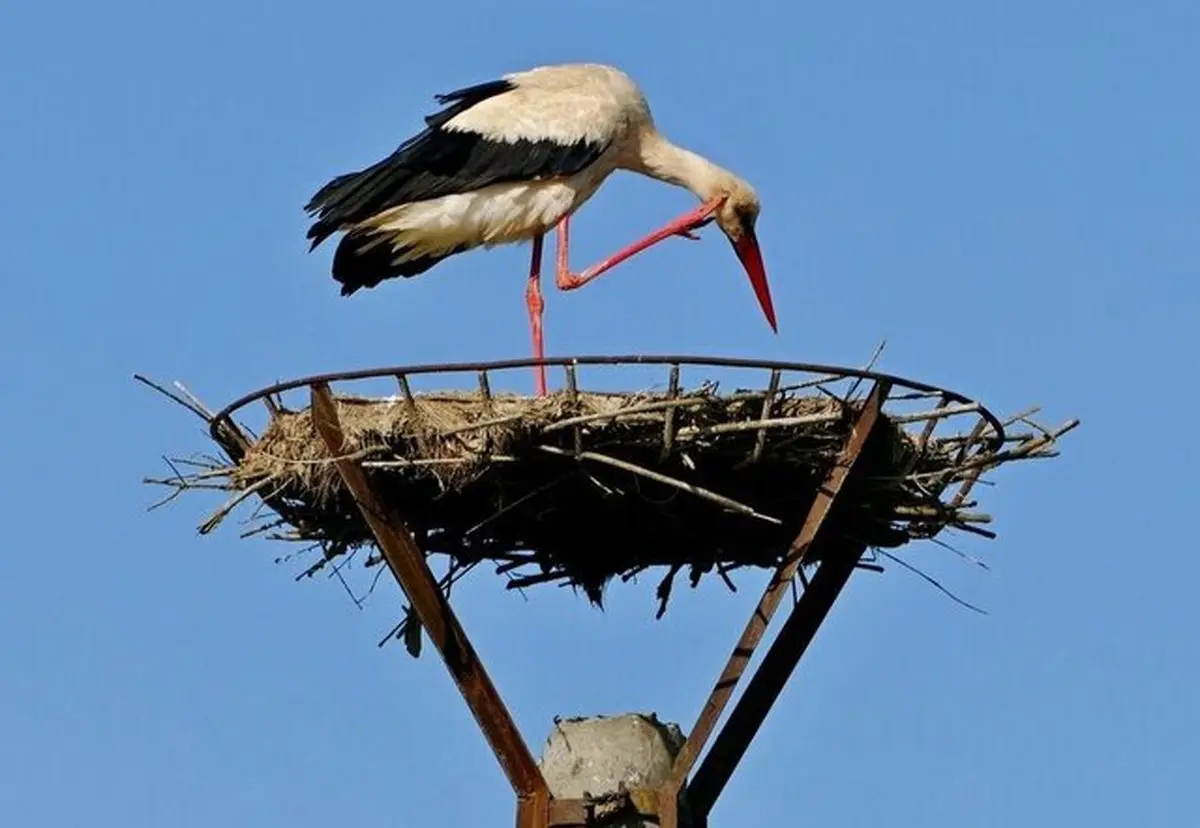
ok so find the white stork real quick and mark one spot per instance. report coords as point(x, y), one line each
point(510, 159)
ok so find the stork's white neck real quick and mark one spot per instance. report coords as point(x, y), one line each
point(659, 158)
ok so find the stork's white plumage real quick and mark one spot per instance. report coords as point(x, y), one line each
point(510, 159)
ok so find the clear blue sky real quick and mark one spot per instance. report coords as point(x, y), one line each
point(1009, 193)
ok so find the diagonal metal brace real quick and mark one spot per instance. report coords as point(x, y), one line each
point(407, 564)
point(751, 710)
point(768, 681)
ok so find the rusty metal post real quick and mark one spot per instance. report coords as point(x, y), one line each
point(533, 809)
point(408, 566)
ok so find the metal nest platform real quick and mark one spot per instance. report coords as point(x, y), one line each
point(590, 484)
point(797, 466)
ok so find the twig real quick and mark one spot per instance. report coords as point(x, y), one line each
point(870, 364)
point(975, 530)
point(515, 563)
point(540, 578)
point(947, 513)
point(935, 414)
point(409, 627)
point(663, 593)
point(816, 382)
point(927, 432)
point(955, 439)
point(961, 554)
point(337, 571)
point(205, 462)
point(1016, 453)
point(694, 432)
point(198, 409)
point(358, 454)
point(972, 437)
point(931, 580)
point(228, 506)
point(189, 485)
point(1021, 415)
point(723, 571)
point(189, 401)
point(433, 461)
point(194, 400)
point(266, 527)
point(965, 489)
point(700, 492)
point(180, 486)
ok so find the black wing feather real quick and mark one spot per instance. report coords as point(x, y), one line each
point(363, 260)
point(465, 98)
point(438, 162)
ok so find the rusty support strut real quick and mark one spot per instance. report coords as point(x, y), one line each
point(787, 649)
point(408, 566)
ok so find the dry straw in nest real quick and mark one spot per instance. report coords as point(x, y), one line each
point(579, 488)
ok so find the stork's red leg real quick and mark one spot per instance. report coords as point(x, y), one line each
point(682, 226)
point(533, 300)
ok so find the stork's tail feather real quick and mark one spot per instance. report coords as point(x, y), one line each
point(363, 260)
point(347, 197)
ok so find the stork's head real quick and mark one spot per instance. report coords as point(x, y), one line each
point(736, 216)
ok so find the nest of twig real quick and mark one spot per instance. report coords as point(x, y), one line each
point(581, 488)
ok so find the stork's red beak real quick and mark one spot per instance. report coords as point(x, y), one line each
point(751, 257)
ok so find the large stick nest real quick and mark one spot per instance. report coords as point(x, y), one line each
point(580, 488)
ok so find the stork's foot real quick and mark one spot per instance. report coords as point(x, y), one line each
point(705, 219)
point(683, 226)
